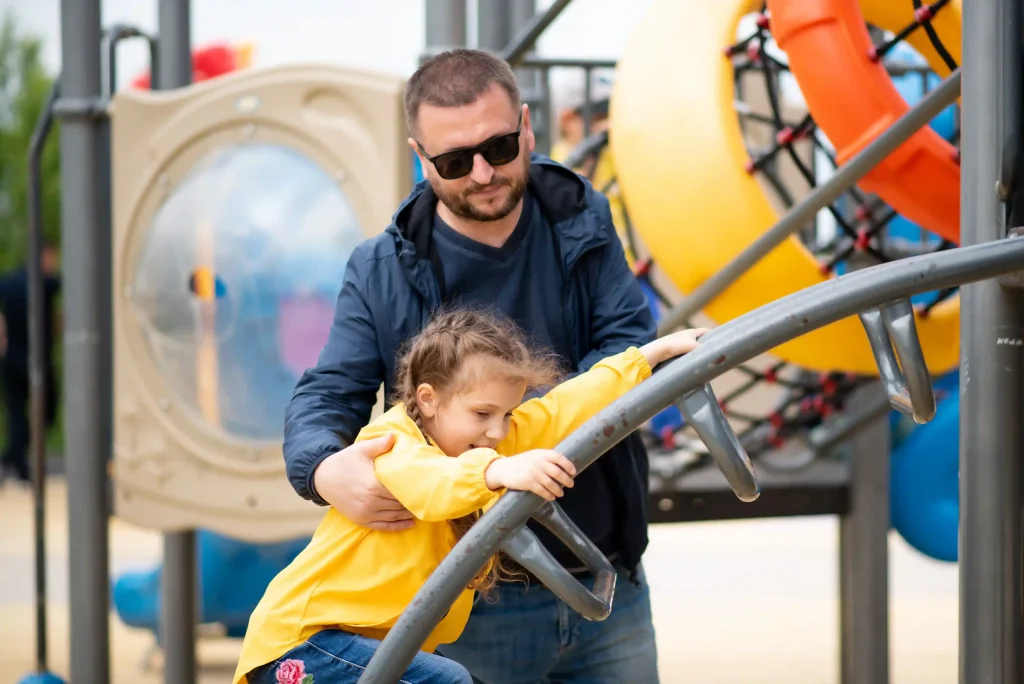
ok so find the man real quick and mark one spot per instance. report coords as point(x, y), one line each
point(14, 369)
point(493, 224)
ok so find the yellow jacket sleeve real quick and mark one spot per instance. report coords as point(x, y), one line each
point(430, 484)
point(543, 422)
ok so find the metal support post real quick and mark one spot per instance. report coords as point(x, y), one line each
point(180, 594)
point(37, 363)
point(84, 383)
point(445, 26)
point(528, 33)
point(492, 22)
point(864, 553)
point(991, 384)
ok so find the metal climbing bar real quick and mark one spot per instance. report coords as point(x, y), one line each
point(845, 177)
point(903, 370)
point(721, 350)
point(524, 547)
point(703, 412)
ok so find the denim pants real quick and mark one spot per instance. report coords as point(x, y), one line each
point(336, 657)
point(529, 636)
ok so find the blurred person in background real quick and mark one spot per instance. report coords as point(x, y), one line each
point(568, 102)
point(14, 365)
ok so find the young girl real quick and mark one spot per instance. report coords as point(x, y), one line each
point(463, 435)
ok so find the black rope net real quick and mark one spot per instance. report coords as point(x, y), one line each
point(783, 150)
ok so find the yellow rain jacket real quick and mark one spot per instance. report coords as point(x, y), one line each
point(361, 580)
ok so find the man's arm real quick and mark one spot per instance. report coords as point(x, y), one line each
point(333, 400)
point(620, 317)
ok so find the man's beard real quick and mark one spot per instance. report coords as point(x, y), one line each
point(460, 205)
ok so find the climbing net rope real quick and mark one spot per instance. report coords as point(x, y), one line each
point(806, 398)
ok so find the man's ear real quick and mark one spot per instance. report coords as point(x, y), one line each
point(427, 400)
point(531, 140)
point(414, 146)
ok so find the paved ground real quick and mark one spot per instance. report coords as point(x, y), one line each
point(743, 603)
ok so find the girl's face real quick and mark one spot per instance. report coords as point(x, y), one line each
point(477, 415)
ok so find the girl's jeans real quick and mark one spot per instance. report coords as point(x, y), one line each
point(336, 657)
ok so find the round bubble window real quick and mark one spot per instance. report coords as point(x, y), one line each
point(236, 279)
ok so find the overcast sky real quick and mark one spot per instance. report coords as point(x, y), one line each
point(378, 34)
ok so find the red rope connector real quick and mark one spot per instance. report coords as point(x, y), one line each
point(667, 440)
point(641, 267)
point(955, 156)
point(776, 420)
point(770, 375)
point(762, 21)
point(776, 440)
point(785, 136)
point(730, 50)
point(923, 13)
point(862, 212)
point(824, 267)
point(861, 243)
point(753, 52)
point(873, 53)
point(749, 166)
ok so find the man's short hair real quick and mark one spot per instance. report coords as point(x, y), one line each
point(456, 78)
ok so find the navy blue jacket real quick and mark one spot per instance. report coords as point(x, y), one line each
point(390, 290)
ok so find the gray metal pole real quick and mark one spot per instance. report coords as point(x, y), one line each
point(864, 553)
point(799, 216)
point(492, 22)
point(37, 362)
point(991, 389)
point(528, 34)
point(445, 25)
point(180, 583)
point(83, 240)
point(532, 82)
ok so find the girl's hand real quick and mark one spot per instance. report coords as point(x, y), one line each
point(671, 346)
point(541, 471)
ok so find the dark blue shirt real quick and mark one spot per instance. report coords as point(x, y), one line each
point(523, 278)
point(14, 305)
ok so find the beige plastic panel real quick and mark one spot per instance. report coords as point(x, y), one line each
point(236, 202)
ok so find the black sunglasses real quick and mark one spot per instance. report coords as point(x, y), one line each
point(498, 151)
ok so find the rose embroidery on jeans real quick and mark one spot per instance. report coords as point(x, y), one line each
point(293, 672)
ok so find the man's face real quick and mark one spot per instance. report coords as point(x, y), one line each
point(50, 260)
point(486, 193)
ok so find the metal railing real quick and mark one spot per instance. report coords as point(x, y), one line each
point(885, 288)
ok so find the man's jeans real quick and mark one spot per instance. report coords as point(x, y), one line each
point(528, 636)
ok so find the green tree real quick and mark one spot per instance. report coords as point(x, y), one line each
point(24, 86)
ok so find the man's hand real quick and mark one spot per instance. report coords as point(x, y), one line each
point(347, 481)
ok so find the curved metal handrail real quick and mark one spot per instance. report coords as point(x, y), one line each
point(721, 350)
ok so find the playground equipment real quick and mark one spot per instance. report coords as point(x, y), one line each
point(994, 394)
point(236, 206)
point(699, 121)
point(722, 349)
